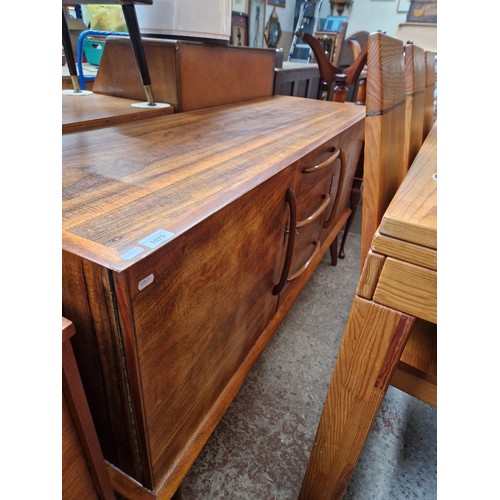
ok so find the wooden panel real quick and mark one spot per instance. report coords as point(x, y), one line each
point(209, 300)
point(351, 146)
point(384, 134)
point(385, 58)
point(372, 344)
point(123, 183)
point(297, 79)
point(416, 373)
point(119, 75)
point(430, 85)
point(412, 215)
point(83, 469)
point(415, 386)
point(314, 179)
point(77, 480)
point(97, 111)
point(210, 76)
point(415, 101)
point(187, 75)
point(402, 250)
point(408, 288)
point(87, 298)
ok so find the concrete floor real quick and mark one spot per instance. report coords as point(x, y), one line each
point(261, 446)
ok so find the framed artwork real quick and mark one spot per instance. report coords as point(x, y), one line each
point(272, 31)
point(404, 5)
point(277, 3)
point(240, 6)
point(256, 23)
point(424, 11)
point(239, 30)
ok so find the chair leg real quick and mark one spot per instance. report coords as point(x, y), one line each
point(333, 250)
point(355, 200)
point(356, 192)
point(347, 227)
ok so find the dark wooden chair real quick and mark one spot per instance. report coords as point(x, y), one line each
point(329, 71)
point(332, 42)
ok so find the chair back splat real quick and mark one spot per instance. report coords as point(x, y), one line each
point(415, 101)
point(384, 167)
point(430, 86)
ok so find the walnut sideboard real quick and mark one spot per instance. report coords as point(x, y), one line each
point(186, 239)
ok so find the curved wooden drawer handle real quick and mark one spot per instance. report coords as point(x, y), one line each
point(316, 214)
point(291, 230)
point(341, 171)
point(326, 163)
point(306, 265)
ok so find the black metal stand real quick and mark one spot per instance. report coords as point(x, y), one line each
point(128, 7)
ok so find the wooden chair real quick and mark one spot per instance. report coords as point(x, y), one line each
point(332, 43)
point(430, 85)
point(384, 167)
point(415, 77)
point(416, 95)
point(329, 71)
point(381, 345)
point(349, 47)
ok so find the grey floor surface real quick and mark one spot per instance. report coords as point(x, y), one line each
point(261, 446)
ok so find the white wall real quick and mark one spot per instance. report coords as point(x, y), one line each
point(363, 15)
point(373, 15)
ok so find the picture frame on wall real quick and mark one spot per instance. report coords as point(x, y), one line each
point(239, 30)
point(423, 11)
point(256, 23)
point(277, 3)
point(240, 6)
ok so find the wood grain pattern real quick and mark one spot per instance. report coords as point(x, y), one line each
point(400, 303)
point(430, 86)
point(412, 214)
point(84, 473)
point(370, 275)
point(408, 288)
point(192, 315)
point(416, 372)
point(384, 132)
point(385, 74)
point(403, 250)
point(415, 74)
point(187, 75)
point(372, 344)
point(97, 111)
point(123, 183)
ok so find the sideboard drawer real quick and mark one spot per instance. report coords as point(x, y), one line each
point(314, 175)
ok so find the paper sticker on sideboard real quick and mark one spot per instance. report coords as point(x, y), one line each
point(156, 239)
point(130, 254)
point(146, 281)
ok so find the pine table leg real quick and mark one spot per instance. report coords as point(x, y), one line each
point(374, 339)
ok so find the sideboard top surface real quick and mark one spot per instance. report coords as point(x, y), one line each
point(129, 189)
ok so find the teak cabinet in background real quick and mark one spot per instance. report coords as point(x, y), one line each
point(186, 239)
